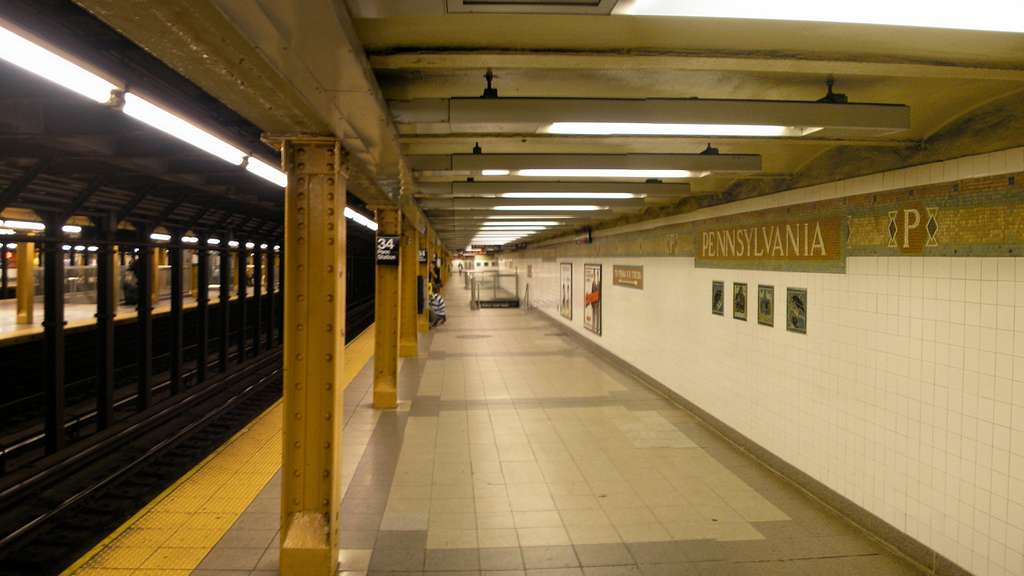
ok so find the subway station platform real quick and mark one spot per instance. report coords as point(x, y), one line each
point(514, 451)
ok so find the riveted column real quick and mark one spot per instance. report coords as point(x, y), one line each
point(386, 313)
point(25, 291)
point(314, 344)
point(155, 257)
point(422, 283)
point(271, 304)
point(242, 259)
point(408, 346)
point(202, 291)
point(106, 309)
point(53, 338)
point(224, 300)
point(177, 336)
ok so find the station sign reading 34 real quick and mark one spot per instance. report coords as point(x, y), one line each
point(387, 250)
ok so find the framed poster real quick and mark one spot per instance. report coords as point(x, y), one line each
point(766, 305)
point(565, 304)
point(718, 297)
point(739, 301)
point(796, 310)
point(592, 298)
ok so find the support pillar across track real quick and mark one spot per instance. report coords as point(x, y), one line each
point(408, 339)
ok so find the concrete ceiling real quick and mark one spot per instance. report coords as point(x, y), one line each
point(333, 66)
point(420, 50)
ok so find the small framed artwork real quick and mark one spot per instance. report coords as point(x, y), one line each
point(796, 310)
point(565, 304)
point(766, 305)
point(718, 297)
point(739, 301)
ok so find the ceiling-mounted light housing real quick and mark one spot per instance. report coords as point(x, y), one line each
point(696, 117)
point(636, 167)
point(32, 57)
point(151, 114)
point(985, 15)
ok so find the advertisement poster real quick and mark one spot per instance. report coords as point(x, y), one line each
point(592, 298)
point(565, 304)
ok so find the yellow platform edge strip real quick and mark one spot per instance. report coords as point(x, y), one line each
point(188, 518)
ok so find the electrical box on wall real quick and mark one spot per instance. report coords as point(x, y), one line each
point(585, 236)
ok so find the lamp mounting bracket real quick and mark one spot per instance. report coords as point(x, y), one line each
point(489, 91)
point(833, 97)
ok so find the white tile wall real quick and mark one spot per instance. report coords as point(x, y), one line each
point(906, 395)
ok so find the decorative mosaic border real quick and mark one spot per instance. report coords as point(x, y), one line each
point(971, 217)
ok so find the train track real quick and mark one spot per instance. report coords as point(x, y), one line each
point(50, 519)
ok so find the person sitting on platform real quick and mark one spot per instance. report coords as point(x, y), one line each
point(438, 311)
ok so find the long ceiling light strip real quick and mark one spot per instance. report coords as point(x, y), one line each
point(360, 219)
point(551, 208)
point(151, 114)
point(656, 129)
point(983, 15)
point(571, 195)
point(32, 57)
point(606, 173)
point(28, 55)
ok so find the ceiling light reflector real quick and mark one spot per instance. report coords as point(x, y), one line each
point(149, 113)
point(568, 208)
point(571, 195)
point(266, 171)
point(986, 15)
point(38, 60)
point(607, 173)
point(494, 172)
point(652, 129)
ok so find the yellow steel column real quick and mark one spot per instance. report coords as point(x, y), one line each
point(116, 284)
point(25, 290)
point(386, 313)
point(408, 339)
point(422, 320)
point(314, 345)
point(154, 276)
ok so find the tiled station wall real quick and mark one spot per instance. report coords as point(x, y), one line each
point(906, 394)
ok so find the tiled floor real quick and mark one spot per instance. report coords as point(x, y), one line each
point(515, 452)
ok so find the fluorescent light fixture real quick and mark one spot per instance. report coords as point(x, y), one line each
point(606, 173)
point(360, 219)
point(498, 221)
point(515, 228)
point(233, 243)
point(276, 248)
point(80, 248)
point(71, 229)
point(149, 113)
point(213, 241)
point(250, 245)
point(38, 60)
point(548, 218)
point(66, 247)
point(266, 171)
point(557, 208)
point(12, 246)
point(24, 225)
point(986, 15)
point(94, 248)
point(494, 172)
point(571, 195)
point(653, 129)
point(159, 237)
point(189, 239)
point(6, 232)
point(263, 246)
